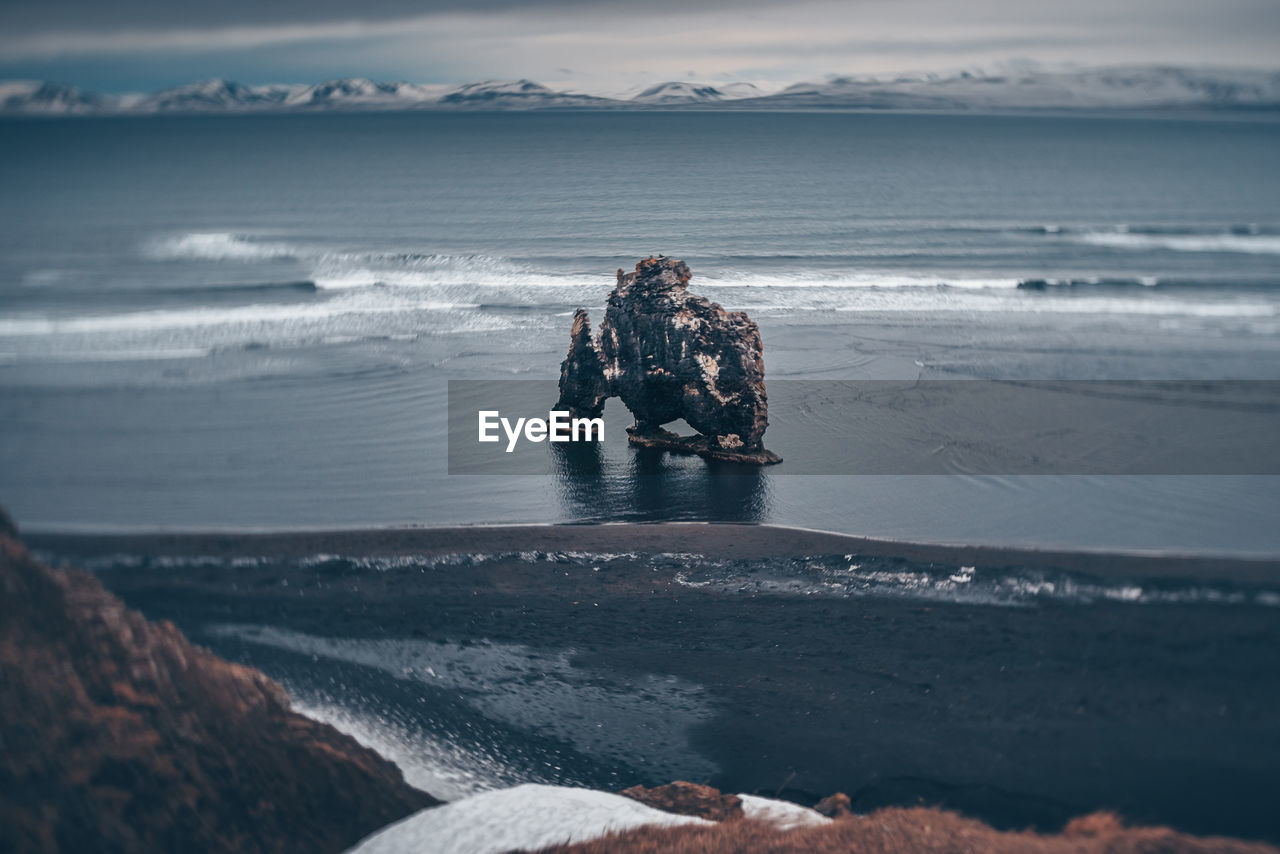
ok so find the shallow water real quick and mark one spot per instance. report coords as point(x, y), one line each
point(250, 321)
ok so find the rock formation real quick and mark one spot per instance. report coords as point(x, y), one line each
point(686, 798)
point(834, 806)
point(583, 389)
point(669, 354)
point(118, 735)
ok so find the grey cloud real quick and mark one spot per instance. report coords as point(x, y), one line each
point(608, 42)
point(99, 15)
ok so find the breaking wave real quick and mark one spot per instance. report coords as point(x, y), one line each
point(249, 316)
point(842, 576)
point(342, 271)
point(333, 269)
point(852, 576)
point(316, 291)
point(1250, 244)
point(217, 246)
point(1252, 239)
point(330, 268)
point(1164, 283)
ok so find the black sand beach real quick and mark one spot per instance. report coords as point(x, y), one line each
point(1023, 712)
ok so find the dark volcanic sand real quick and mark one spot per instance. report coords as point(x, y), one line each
point(1018, 715)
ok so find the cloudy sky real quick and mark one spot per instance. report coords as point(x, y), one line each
point(609, 45)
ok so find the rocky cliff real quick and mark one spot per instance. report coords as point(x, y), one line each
point(669, 355)
point(118, 735)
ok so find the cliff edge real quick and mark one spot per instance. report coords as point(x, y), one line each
point(118, 735)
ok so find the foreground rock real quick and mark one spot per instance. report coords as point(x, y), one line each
point(688, 799)
point(669, 355)
point(116, 734)
point(834, 806)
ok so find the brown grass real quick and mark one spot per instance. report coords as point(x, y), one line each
point(918, 831)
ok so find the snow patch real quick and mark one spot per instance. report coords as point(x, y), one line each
point(783, 815)
point(523, 818)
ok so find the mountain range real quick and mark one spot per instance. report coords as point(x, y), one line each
point(1127, 88)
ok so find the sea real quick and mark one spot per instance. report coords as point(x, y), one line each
point(251, 321)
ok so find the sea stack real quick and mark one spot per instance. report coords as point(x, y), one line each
point(670, 354)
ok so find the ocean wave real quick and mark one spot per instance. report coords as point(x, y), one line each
point(251, 315)
point(1241, 229)
point(346, 271)
point(1022, 301)
point(387, 282)
point(804, 294)
point(464, 309)
point(335, 269)
point(217, 246)
point(1101, 282)
point(330, 269)
point(97, 357)
point(842, 576)
point(1224, 243)
point(1247, 238)
point(851, 576)
point(849, 280)
point(302, 285)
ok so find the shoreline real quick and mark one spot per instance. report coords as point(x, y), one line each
point(616, 673)
point(725, 540)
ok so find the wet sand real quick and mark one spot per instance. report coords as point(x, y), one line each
point(721, 539)
point(1022, 716)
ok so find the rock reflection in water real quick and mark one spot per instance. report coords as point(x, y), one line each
point(653, 486)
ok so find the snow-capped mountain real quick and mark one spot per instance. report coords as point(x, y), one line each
point(736, 91)
point(35, 97)
point(520, 94)
point(1102, 88)
point(1127, 88)
point(360, 93)
point(677, 93)
point(680, 92)
point(215, 96)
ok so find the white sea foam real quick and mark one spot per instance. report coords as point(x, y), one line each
point(336, 269)
point(822, 578)
point(435, 765)
point(849, 279)
point(380, 293)
point(342, 270)
point(337, 279)
point(1206, 308)
point(101, 356)
point(863, 292)
point(1252, 244)
point(217, 246)
point(528, 688)
point(206, 316)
